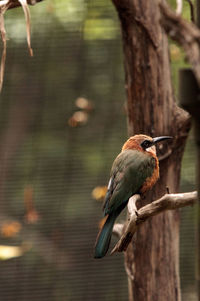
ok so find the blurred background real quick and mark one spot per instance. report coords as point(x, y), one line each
point(62, 122)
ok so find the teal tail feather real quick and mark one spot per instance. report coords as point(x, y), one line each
point(104, 237)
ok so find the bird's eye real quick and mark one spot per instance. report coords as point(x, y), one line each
point(146, 144)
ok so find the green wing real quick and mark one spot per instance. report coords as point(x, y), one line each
point(129, 171)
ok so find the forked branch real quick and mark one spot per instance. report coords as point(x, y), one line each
point(4, 6)
point(166, 202)
point(184, 33)
point(16, 3)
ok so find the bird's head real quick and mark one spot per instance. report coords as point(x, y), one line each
point(144, 143)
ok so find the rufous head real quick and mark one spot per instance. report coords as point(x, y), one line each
point(143, 143)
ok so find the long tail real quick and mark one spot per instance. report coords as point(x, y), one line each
point(104, 236)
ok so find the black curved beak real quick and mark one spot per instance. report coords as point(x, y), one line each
point(159, 139)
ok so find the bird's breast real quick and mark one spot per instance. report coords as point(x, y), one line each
point(150, 181)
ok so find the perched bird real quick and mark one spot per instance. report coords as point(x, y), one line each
point(135, 170)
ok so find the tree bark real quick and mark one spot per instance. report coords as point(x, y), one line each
point(153, 256)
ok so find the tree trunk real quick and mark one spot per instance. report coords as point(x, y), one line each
point(152, 261)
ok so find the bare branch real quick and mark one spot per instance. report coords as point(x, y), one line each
point(3, 37)
point(16, 3)
point(191, 10)
point(179, 6)
point(3, 2)
point(118, 229)
point(167, 202)
point(131, 226)
point(4, 6)
point(24, 5)
point(132, 203)
point(185, 33)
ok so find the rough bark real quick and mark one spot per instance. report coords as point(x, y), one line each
point(152, 110)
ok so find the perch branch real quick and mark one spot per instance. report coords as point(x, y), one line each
point(167, 202)
point(118, 229)
point(132, 204)
point(185, 34)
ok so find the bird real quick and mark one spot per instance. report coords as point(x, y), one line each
point(134, 171)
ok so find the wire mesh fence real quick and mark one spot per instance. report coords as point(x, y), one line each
point(62, 122)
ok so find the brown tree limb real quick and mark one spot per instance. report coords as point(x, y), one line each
point(184, 33)
point(166, 202)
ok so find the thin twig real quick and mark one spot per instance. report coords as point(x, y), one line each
point(191, 10)
point(16, 3)
point(28, 24)
point(179, 7)
point(5, 5)
point(3, 37)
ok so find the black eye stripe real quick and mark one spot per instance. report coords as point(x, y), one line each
point(146, 143)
